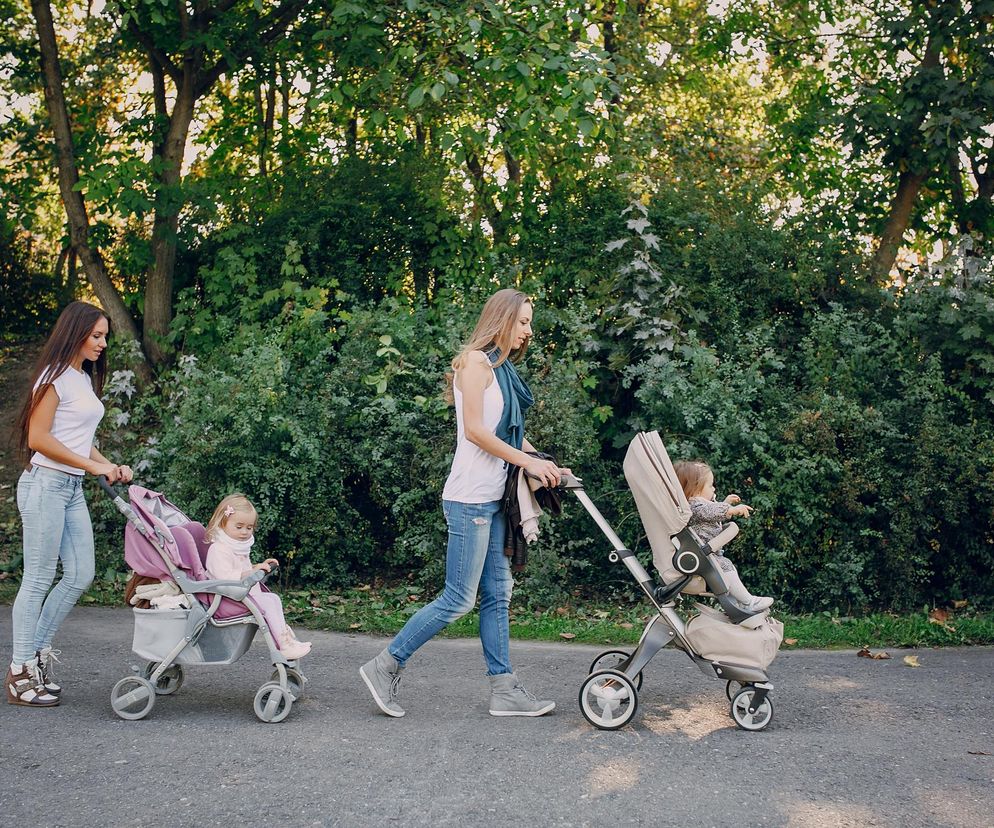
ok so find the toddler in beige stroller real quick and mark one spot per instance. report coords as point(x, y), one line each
point(732, 643)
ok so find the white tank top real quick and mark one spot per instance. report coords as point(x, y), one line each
point(476, 475)
point(76, 418)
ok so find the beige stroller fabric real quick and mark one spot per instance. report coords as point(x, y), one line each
point(661, 502)
point(753, 643)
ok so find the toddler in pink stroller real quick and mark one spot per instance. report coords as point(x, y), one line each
point(211, 623)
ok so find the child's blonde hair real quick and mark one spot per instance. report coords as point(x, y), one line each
point(693, 475)
point(236, 502)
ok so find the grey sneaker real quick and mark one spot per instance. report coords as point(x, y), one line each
point(509, 698)
point(382, 677)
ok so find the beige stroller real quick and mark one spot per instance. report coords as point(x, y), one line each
point(729, 644)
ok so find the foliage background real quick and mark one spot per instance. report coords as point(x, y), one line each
point(696, 195)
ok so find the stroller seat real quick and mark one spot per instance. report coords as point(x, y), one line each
point(685, 564)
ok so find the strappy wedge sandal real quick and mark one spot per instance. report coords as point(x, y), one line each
point(26, 687)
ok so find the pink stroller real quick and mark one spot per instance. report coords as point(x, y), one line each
point(217, 627)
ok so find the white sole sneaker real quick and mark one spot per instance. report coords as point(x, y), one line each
point(540, 712)
point(396, 714)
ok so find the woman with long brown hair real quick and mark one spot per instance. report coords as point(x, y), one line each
point(58, 421)
point(490, 401)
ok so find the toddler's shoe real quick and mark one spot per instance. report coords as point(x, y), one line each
point(291, 648)
point(758, 604)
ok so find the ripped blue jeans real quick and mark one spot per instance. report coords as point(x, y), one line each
point(474, 560)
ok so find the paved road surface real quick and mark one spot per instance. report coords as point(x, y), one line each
point(854, 743)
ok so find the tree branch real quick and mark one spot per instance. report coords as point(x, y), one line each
point(149, 45)
point(271, 28)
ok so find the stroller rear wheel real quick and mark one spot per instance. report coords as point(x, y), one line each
point(132, 697)
point(608, 699)
point(756, 720)
point(169, 682)
point(610, 660)
point(272, 703)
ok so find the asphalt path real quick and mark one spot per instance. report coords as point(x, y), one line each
point(854, 742)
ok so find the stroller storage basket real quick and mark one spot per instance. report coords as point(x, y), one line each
point(158, 632)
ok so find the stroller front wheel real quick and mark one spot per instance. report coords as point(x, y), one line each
point(272, 703)
point(294, 679)
point(608, 699)
point(132, 697)
point(756, 720)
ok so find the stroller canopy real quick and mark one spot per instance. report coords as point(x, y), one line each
point(172, 536)
point(659, 497)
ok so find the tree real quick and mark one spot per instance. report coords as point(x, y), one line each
point(188, 47)
point(896, 92)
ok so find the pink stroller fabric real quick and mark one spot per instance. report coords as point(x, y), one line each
point(180, 539)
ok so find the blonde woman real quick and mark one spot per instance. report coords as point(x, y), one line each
point(490, 401)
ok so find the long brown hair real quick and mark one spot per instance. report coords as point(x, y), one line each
point(494, 329)
point(693, 475)
point(73, 326)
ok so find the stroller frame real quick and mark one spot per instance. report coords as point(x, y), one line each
point(609, 695)
point(204, 638)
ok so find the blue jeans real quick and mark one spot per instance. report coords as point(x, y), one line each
point(474, 560)
point(56, 527)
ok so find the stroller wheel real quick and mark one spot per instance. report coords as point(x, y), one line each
point(294, 679)
point(731, 688)
point(169, 682)
point(610, 660)
point(608, 699)
point(132, 697)
point(272, 703)
point(751, 721)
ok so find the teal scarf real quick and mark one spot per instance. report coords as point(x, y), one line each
point(517, 400)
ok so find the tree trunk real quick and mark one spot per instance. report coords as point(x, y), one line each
point(79, 224)
point(897, 222)
point(159, 283)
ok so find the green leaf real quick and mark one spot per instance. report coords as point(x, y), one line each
point(438, 90)
point(416, 97)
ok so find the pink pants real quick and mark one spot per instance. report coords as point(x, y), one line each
point(271, 607)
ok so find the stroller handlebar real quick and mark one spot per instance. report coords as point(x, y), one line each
point(112, 493)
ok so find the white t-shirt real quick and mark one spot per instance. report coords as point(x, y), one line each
point(76, 418)
point(476, 475)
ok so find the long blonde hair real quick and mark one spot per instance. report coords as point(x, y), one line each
point(236, 502)
point(495, 328)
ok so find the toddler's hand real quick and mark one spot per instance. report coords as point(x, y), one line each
point(733, 499)
point(265, 567)
point(740, 511)
point(272, 562)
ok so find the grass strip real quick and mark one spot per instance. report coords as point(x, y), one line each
point(384, 611)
